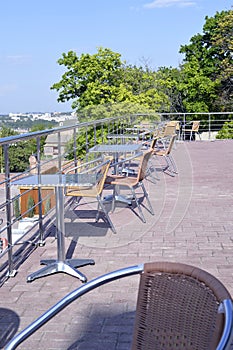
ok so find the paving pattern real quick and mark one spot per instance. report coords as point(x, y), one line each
point(193, 224)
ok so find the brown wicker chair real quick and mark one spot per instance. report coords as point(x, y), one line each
point(191, 129)
point(179, 307)
point(166, 153)
point(133, 182)
point(94, 191)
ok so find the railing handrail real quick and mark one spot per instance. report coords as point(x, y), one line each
point(35, 134)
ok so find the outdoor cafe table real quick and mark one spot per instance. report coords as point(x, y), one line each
point(59, 182)
point(116, 150)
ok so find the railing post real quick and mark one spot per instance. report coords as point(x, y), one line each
point(184, 122)
point(11, 271)
point(87, 143)
point(59, 151)
point(41, 235)
point(209, 126)
point(75, 146)
point(94, 134)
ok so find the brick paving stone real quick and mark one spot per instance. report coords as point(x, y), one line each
point(192, 224)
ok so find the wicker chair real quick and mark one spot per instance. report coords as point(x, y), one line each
point(133, 182)
point(191, 129)
point(168, 129)
point(94, 191)
point(178, 307)
point(165, 152)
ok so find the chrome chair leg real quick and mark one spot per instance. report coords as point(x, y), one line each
point(147, 198)
point(106, 214)
point(138, 205)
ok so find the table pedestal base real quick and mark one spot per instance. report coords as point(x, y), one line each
point(67, 266)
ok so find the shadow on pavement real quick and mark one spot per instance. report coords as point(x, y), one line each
point(9, 323)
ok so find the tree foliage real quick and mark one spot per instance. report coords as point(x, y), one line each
point(96, 112)
point(212, 53)
point(89, 79)
point(103, 78)
point(20, 152)
point(226, 132)
point(202, 83)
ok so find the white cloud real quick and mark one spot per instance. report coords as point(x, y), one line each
point(169, 3)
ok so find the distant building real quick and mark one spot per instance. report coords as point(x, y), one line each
point(51, 143)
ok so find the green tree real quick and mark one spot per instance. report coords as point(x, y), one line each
point(89, 79)
point(168, 82)
point(103, 79)
point(211, 56)
point(20, 152)
point(198, 91)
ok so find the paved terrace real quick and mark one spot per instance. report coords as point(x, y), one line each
point(192, 224)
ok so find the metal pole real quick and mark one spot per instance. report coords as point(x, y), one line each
point(41, 236)
point(75, 146)
point(59, 151)
point(209, 126)
point(11, 271)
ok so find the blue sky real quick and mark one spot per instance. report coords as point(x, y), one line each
point(35, 33)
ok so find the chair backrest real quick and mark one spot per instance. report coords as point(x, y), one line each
point(101, 176)
point(169, 130)
point(170, 145)
point(100, 172)
point(195, 126)
point(177, 308)
point(174, 123)
point(153, 143)
point(142, 171)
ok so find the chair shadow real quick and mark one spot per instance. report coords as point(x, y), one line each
point(84, 225)
point(106, 331)
point(9, 324)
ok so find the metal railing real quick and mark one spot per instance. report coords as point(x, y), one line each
point(65, 146)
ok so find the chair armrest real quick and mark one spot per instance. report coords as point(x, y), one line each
point(226, 307)
point(69, 298)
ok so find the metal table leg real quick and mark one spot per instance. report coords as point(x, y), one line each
point(61, 264)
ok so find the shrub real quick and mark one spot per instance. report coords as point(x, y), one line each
point(30, 207)
point(47, 206)
point(17, 209)
point(226, 132)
